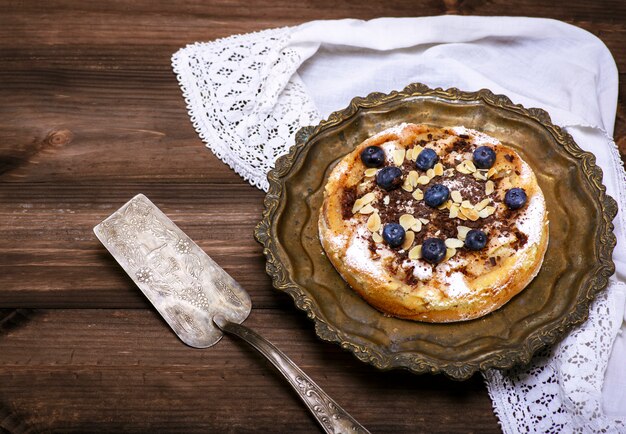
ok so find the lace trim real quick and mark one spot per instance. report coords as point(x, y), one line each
point(246, 119)
point(561, 389)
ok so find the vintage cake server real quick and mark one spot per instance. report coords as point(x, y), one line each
point(198, 299)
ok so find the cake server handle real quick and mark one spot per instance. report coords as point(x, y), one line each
point(331, 417)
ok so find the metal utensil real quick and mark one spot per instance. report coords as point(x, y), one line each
point(198, 299)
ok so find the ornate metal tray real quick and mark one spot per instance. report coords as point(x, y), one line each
point(576, 267)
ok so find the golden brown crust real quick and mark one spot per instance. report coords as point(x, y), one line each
point(467, 285)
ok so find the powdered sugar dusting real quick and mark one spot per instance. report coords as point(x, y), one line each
point(526, 172)
point(457, 287)
point(421, 270)
point(337, 241)
point(477, 137)
point(358, 255)
point(529, 222)
point(452, 184)
point(389, 147)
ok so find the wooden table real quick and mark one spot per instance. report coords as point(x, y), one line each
point(91, 114)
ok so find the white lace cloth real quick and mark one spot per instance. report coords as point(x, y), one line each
point(247, 95)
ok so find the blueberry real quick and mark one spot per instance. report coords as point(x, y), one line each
point(484, 157)
point(393, 234)
point(433, 250)
point(389, 178)
point(436, 195)
point(426, 159)
point(475, 239)
point(373, 156)
point(515, 198)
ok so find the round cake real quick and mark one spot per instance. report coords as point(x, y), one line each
point(434, 224)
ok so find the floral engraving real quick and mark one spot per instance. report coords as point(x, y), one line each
point(327, 411)
point(144, 275)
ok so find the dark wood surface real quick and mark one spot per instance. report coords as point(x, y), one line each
point(91, 114)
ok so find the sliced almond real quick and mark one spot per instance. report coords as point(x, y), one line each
point(470, 165)
point(417, 226)
point(358, 204)
point(461, 216)
point(407, 186)
point(454, 243)
point(480, 176)
point(467, 204)
point(416, 151)
point(415, 252)
point(482, 204)
point(367, 209)
point(408, 240)
point(386, 200)
point(491, 172)
point(438, 169)
point(454, 212)
point(377, 238)
point(449, 253)
point(470, 213)
point(489, 187)
point(424, 221)
point(462, 232)
point(369, 197)
point(461, 168)
point(430, 173)
point(456, 196)
point(412, 178)
point(398, 157)
point(371, 171)
point(445, 205)
point(418, 194)
point(487, 211)
point(373, 222)
point(502, 174)
point(406, 221)
point(423, 180)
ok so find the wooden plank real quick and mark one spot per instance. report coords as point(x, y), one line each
point(112, 370)
point(49, 256)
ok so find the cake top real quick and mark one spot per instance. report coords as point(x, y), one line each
point(450, 203)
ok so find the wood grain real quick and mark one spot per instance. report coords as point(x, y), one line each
point(124, 370)
point(90, 115)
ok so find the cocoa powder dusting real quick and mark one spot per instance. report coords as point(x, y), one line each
point(459, 146)
point(520, 240)
point(440, 225)
point(409, 277)
point(347, 202)
point(471, 188)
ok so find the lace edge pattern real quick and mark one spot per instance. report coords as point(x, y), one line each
point(245, 116)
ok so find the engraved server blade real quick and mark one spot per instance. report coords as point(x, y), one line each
point(198, 299)
point(184, 284)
